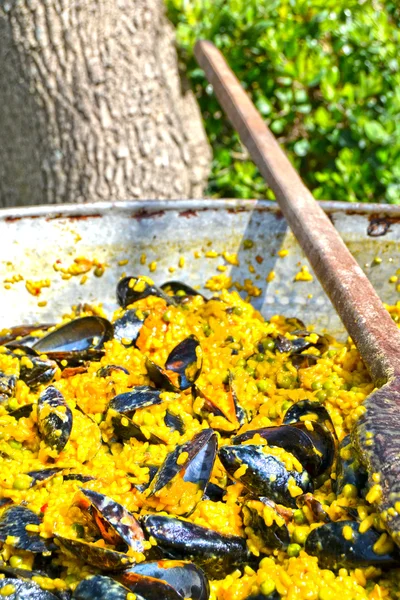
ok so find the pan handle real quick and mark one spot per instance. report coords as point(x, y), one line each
point(355, 300)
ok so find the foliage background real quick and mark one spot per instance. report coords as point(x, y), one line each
point(325, 76)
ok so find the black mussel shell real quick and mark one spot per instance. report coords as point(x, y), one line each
point(291, 439)
point(97, 556)
point(184, 360)
point(25, 590)
point(7, 384)
point(180, 290)
point(303, 361)
point(216, 554)
point(121, 521)
point(208, 405)
point(82, 338)
point(127, 328)
point(152, 473)
point(22, 411)
point(108, 369)
point(214, 492)
point(200, 456)
point(23, 331)
point(13, 523)
point(174, 422)
point(41, 372)
point(299, 344)
point(303, 409)
point(139, 397)
point(315, 507)
point(265, 475)
point(184, 577)
point(42, 475)
point(349, 469)
point(324, 443)
point(99, 587)
point(127, 294)
point(54, 418)
point(159, 377)
point(240, 412)
point(149, 587)
point(282, 344)
point(273, 536)
point(335, 551)
point(125, 429)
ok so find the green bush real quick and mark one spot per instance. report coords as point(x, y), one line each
point(325, 76)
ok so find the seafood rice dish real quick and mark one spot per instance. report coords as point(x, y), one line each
point(186, 449)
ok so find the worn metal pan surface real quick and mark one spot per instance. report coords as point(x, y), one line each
point(35, 241)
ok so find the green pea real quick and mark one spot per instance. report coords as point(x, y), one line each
point(241, 362)
point(293, 550)
point(22, 482)
point(316, 385)
point(251, 371)
point(13, 404)
point(321, 395)
point(299, 517)
point(180, 293)
point(14, 444)
point(167, 317)
point(287, 404)
point(268, 344)
point(207, 330)
point(285, 381)
point(238, 311)
point(300, 535)
point(260, 357)
point(263, 386)
point(328, 385)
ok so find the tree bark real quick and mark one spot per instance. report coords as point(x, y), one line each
point(92, 106)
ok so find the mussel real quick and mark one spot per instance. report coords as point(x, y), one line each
point(216, 554)
point(16, 589)
point(349, 469)
point(115, 525)
point(340, 544)
point(180, 291)
point(182, 478)
point(80, 339)
point(167, 579)
point(271, 528)
point(131, 289)
point(7, 384)
point(13, 523)
point(263, 474)
point(122, 408)
point(54, 418)
point(100, 587)
point(182, 366)
point(127, 328)
point(35, 371)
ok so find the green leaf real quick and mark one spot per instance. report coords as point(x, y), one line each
point(376, 133)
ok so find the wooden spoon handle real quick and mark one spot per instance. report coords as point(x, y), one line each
point(355, 300)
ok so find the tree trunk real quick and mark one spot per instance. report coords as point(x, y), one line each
point(92, 106)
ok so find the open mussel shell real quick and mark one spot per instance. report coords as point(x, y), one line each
point(100, 587)
point(54, 418)
point(216, 554)
point(13, 524)
point(329, 544)
point(349, 469)
point(185, 361)
point(315, 506)
point(324, 444)
point(96, 556)
point(111, 514)
point(291, 439)
point(43, 475)
point(184, 578)
point(199, 456)
point(275, 535)
point(180, 291)
point(22, 411)
point(125, 429)
point(80, 339)
point(131, 289)
point(307, 410)
point(264, 474)
point(160, 377)
point(24, 590)
point(127, 328)
point(39, 371)
point(174, 422)
point(140, 396)
point(214, 492)
point(300, 344)
point(240, 412)
point(23, 331)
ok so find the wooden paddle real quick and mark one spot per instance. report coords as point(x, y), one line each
point(377, 432)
